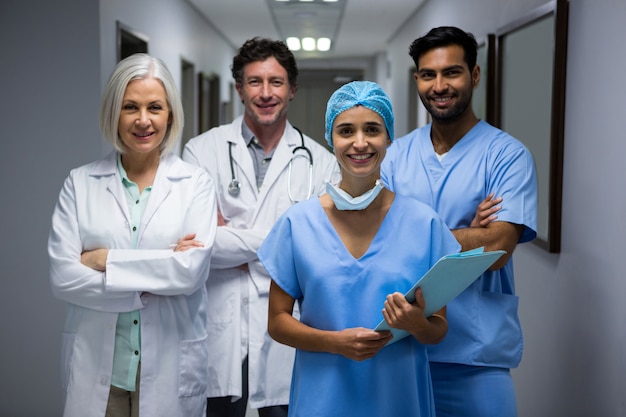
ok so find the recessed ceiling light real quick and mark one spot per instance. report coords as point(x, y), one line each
point(323, 44)
point(293, 43)
point(308, 44)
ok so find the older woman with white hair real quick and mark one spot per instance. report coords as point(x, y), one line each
point(129, 249)
point(343, 257)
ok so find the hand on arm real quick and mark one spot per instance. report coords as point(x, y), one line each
point(354, 343)
point(490, 234)
point(187, 242)
point(95, 259)
point(400, 314)
point(486, 211)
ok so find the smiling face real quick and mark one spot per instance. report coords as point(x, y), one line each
point(265, 92)
point(360, 143)
point(445, 83)
point(145, 117)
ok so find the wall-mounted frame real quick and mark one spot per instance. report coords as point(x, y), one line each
point(208, 101)
point(532, 54)
point(483, 98)
point(129, 41)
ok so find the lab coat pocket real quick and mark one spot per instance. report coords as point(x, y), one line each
point(193, 367)
point(67, 354)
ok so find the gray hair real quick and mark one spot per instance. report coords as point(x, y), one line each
point(136, 67)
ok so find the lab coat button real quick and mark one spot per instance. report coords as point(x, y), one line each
point(104, 380)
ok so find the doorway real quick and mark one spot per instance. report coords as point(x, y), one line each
point(308, 109)
point(187, 70)
point(129, 42)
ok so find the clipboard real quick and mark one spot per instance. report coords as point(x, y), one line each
point(446, 279)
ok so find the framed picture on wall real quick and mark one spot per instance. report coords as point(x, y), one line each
point(483, 98)
point(531, 65)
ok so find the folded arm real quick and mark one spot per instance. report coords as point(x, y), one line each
point(486, 231)
point(495, 236)
point(112, 279)
point(179, 270)
point(235, 247)
point(70, 279)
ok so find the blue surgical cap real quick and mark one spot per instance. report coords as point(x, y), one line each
point(358, 93)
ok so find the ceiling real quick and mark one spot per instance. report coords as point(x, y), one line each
point(358, 28)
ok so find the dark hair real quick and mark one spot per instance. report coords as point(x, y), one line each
point(445, 36)
point(259, 49)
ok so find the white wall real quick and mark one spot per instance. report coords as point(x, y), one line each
point(49, 84)
point(571, 304)
point(56, 58)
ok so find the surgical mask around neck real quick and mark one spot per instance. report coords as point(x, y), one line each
point(344, 201)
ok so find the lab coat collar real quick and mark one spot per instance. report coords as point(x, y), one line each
point(290, 135)
point(280, 159)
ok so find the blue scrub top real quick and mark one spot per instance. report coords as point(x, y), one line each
point(484, 328)
point(306, 258)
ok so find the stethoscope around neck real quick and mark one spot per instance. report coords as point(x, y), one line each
point(234, 188)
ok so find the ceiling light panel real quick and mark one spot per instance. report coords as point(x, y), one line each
point(316, 19)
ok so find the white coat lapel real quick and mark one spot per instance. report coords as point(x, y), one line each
point(108, 168)
point(160, 190)
point(242, 163)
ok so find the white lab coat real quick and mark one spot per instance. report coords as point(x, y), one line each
point(249, 218)
point(166, 286)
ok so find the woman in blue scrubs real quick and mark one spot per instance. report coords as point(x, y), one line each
point(344, 257)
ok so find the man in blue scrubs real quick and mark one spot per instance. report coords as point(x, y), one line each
point(463, 167)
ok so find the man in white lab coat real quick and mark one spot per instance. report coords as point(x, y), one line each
point(261, 165)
